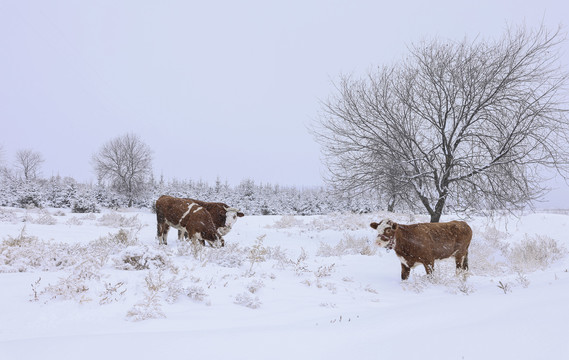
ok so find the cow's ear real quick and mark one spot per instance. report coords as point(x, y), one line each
point(374, 225)
point(240, 214)
point(394, 226)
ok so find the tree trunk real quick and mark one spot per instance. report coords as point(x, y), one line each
point(391, 204)
point(435, 217)
point(436, 214)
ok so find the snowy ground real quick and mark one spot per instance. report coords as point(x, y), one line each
point(98, 286)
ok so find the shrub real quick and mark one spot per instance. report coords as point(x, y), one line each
point(257, 252)
point(248, 300)
point(24, 253)
point(114, 219)
point(82, 206)
point(348, 246)
point(8, 215)
point(43, 218)
point(287, 221)
point(149, 308)
point(141, 258)
point(535, 253)
point(29, 201)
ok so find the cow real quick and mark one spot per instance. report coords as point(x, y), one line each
point(188, 216)
point(424, 243)
point(223, 216)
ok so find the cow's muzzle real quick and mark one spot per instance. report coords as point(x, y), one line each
point(390, 242)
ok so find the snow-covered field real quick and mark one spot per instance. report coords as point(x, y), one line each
point(98, 286)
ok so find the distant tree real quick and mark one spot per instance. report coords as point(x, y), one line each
point(465, 125)
point(28, 163)
point(126, 162)
point(3, 169)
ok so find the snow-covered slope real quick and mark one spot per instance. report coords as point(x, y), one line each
point(98, 286)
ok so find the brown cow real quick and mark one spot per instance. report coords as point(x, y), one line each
point(223, 216)
point(188, 216)
point(424, 243)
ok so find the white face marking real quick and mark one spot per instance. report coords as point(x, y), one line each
point(382, 241)
point(383, 224)
point(230, 218)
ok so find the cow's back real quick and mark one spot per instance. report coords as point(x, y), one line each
point(439, 240)
point(170, 208)
point(450, 238)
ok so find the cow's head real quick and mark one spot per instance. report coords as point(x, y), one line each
point(212, 236)
point(231, 215)
point(385, 233)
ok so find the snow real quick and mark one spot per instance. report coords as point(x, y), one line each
point(284, 287)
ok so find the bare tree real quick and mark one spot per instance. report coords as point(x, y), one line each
point(126, 162)
point(28, 162)
point(463, 125)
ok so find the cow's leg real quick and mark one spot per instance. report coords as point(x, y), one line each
point(462, 263)
point(465, 261)
point(165, 229)
point(405, 270)
point(183, 234)
point(196, 236)
point(159, 233)
point(160, 222)
point(162, 233)
point(429, 267)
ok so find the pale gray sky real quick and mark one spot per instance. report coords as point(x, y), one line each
point(215, 88)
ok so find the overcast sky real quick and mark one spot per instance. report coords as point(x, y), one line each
point(216, 88)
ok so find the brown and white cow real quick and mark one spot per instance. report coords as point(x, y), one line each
point(424, 243)
point(187, 216)
point(223, 216)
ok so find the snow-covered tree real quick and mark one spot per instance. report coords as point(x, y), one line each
point(468, 124)
point(126, 162)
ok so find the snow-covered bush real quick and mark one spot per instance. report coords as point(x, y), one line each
point(82, 206)
point(141, 257)
point(324, 270)
point(248, 300)
point(149, 308)
point(74, 221)
point(114, 219)
point(8, 215)
point(257, 252)
point(196, 293)
point(287, 221)
point(535, 252)
point(491, 254)
point(486, 252)
point(43, 218)
point(444, 275)
point(255, 286)
point(349, 245)
point(112, 293)
point(24, 252)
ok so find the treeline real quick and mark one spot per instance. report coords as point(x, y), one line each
point(251, 198)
